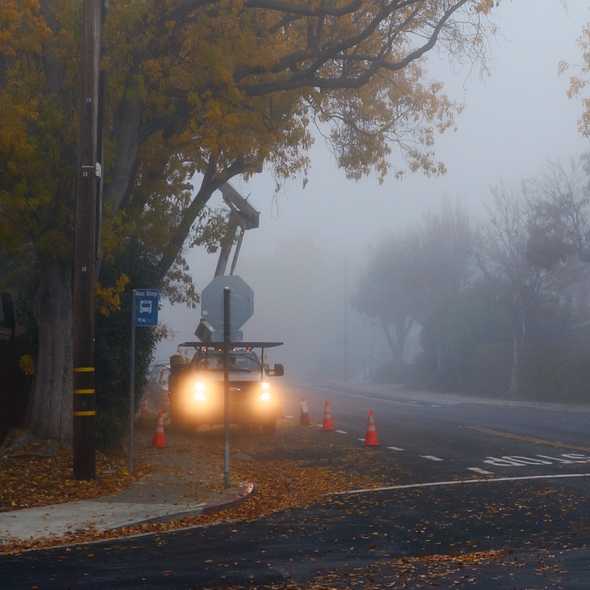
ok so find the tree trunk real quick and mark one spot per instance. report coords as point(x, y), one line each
point(394, 346)
point(519, 332)
point(515, 369)
point(51, 405)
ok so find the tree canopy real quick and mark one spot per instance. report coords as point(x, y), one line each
point(197, 92)
point(209, 90)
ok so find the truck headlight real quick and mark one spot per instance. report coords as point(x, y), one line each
point(200, 392)
point(265, 395)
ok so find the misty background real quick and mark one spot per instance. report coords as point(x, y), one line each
point(314, 242)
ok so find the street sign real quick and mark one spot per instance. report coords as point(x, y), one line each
point(242, 305)
point(144, 314)
point(146, 303)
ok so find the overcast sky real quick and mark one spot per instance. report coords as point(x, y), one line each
point(303, 260)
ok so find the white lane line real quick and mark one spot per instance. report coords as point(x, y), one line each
point(479, 470)
point(459, 482)
point(362, 439)
point(395, 449)
point(431, 458)
point(341, 431)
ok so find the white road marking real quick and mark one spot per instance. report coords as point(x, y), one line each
point(519, 461)
point(395, 449)
point(479, 470)
point(341, 431)
point(577, 457)
point(362, 439)
point(557, 459)
point(503, 462)
point(431, 458)
point(459, 482)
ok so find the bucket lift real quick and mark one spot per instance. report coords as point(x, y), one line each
point(242, 218)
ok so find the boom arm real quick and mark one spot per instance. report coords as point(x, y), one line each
point(242, 217)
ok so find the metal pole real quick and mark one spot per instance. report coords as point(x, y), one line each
point(226, 348)
point(85, 247)
point(130, 451)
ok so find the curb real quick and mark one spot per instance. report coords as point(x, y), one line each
point(245, 490)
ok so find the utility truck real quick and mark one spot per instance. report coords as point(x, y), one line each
point(196, 386)
point(196, 383)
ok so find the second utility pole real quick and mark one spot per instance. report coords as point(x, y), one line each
point(86, 245)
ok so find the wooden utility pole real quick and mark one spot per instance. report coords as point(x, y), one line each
point(86, 245)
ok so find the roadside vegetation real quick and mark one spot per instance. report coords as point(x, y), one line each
point(500, 306)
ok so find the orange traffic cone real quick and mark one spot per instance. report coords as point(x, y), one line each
point(371, 439)
point(159, 440)
point(304, 419)
point(328, 421)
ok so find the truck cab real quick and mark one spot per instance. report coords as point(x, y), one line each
point(196, 387)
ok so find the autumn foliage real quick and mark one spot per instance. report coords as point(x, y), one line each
point(196, 93)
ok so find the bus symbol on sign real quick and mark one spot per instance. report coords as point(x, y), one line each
point(146, 307)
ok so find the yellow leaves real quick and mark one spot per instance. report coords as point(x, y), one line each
point(485, 6)
point(109, 298)
point(580, 80)
point(22, 28)
point(26, 365)
point(40, 475)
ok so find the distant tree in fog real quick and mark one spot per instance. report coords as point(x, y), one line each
point(386, 292)
point(412, 279)
point(503, 256)
point(560, 206)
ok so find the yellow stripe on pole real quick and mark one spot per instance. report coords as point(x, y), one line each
point(85, 413)
point(84, 391)
point(84, 370)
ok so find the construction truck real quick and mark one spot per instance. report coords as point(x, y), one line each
point(196, 382)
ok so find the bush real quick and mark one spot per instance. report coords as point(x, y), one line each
point(113, 344)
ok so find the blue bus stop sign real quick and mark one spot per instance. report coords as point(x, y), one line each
point(146, 303)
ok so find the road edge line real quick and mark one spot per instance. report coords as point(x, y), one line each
point(458, 482)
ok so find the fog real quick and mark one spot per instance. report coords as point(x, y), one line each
point(304, 260)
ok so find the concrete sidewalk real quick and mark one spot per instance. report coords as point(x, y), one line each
point(186, 480)
point(74, 517)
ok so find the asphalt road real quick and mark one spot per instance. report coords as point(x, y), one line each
point(480, 496)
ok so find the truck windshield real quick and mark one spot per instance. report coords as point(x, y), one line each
point(246, 362)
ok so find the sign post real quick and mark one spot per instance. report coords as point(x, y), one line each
point(242, 306)
point(226, 349)
point(144, 314)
